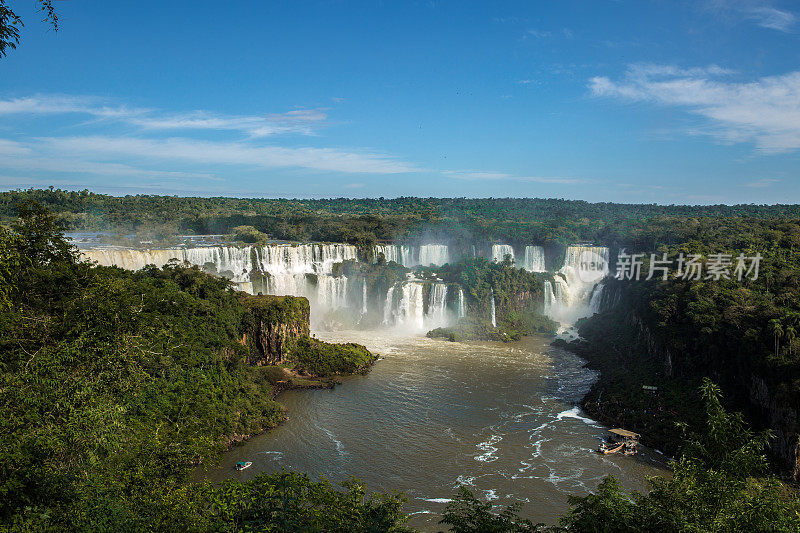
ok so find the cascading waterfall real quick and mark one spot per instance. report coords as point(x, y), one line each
point(411, 308)
point(534, 259)
point(577, 287)
point(408, 311)
point(364, 297)
point(280, 269)
point(494, 318)
point(332, 292)
point(307, 270)
point(387, 307)
point(437, 305)
point(500, 251)
point(433, 254)
point(391, 252)
point(425, 255)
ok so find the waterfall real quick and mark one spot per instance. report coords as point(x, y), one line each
point(364, 298)
point(387, 307)
point(494, 318)
point(425, 255)
point(132, 259)
point(500, 251)
point(534, 259)
point(332, 292)
point(391, 252)
point(462, 308)
point(437, 306)
point(410, 312)
point(433, 254)
point(576, 290)
point(228, 261)
point(280, 269)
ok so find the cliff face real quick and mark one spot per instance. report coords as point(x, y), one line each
point(757, 395)
point(273, 327)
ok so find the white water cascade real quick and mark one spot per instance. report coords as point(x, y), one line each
point(462, 308)
point(534, 259)
point(500, 251)
point(364, 297)
point(387, 307)
point(437, 305)
point(494, 317)
point(408, 256)
point(279, 269)
point(577, 286)
point(408, 311)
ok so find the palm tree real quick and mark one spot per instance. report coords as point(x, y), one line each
point(791, 335)
point(777, 332)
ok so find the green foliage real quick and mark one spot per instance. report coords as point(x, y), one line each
point(10, 23)
point(715, 486)
point(324, 359)
point(249, 234)
point(467, 514)
point(287, 501)
point(367, 221)
point(114, 383)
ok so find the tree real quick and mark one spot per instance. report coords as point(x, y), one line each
point(791, 335)
point(777, 332)
point(466, 514)
point(719, 483)
point(10, 24)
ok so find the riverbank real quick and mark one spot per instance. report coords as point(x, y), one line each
point(292, 377)
point(631, 390)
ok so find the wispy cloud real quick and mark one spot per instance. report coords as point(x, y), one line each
point(765, 111)
point(299, 121)
point(144, 151)
point(203, 152)
point(763, 182)
point(474, 175)
point(762, 13)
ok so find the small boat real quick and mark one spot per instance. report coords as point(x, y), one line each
point(622, 440)
point(241, 465)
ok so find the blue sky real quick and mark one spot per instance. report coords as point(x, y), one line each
point(628, 101)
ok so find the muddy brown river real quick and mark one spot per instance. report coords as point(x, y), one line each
point(501, 419)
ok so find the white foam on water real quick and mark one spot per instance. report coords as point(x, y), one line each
point(273, 454)
point(490, 495)
point(465, 480)
point(337, 442)
point(489, 449)
point(437, 500)
point(574, 413)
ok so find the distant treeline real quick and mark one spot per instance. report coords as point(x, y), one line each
point(364, 222)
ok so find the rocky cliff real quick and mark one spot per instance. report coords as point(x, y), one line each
point(273, 326)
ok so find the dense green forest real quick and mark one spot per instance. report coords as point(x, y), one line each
point(672, 333)
point(460, 221)
point(116, 385)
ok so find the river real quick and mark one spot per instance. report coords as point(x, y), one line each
point(501, 419)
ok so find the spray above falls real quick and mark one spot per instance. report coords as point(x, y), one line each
point(577, 286)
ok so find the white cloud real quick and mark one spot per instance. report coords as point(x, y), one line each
point(760, 12)
point(765, 111)
point(202, 152)
point(763, 182)
point(302, 121)
point(475, 175)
